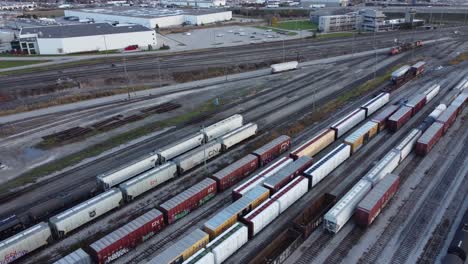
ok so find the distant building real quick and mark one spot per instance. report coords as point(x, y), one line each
point(328, 3)
point(195, 3)
point(84, 38)
point(372, 20)
point(5, 6)
point(150, 17)
point(338, 22)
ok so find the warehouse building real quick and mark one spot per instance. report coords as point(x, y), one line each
point(84, 38)
point(150, 17)
point(194, 3)
point(338, 22)
point(328, 3)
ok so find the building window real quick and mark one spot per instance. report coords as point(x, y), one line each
point(24, 46)
point(32, 51)
point(31, 45)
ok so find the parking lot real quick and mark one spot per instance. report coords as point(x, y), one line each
point(227, 36)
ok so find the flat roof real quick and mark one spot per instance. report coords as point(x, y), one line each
point(81, 30)
point(143, 12)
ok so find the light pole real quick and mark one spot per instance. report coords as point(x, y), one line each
point(284, 52)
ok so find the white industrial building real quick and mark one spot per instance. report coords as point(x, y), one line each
point(150, 17)
point(338, 22)
point(195, 3)
point(84, 38)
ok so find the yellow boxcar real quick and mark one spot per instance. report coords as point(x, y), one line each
point(362, 135)
point(315, 144)
point(230, 215)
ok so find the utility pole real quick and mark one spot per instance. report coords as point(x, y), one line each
point(126, 76)
point(284, 52)
point(375, 51)
point(204, 150)
point(159, 72)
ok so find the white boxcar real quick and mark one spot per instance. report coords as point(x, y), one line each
point(285, 66)
point(24, 242)
point(222, 127)
point(260, 177)
point(348, 122)
point(376, 103)
point(109, 179)
point(148, 180)
point(197, 156)
point(408, 143)
point(463, 84)
point(261, 216)
point(385, 166)
point(238, 135)
point(400, 72)
point(228, 242)
point(78, 256)
point(180, 147)
point(343, 210)
point(431, 92)
point(327, 164)
point(202, 256)
point(85, 212)
point(290, 193)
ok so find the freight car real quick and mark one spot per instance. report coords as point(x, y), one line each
point(238, 135)
point(384, 166)
point(228, 242)
point(362, 135)
point(182, 249)
point(180, 147)
point(235, 172)
point(197, 156)
point(416, 102)
point(312, 216)
point(405, 46)
point(260, 177)
point(122, 240)
point(447, 118)
point(286, 174)
point(429, 138)
point(431, 92)
point(373, 203)
point(315, 144)
point(382, 117)
point(399, 118)
point(78, 256)
point(273, 149)
point(342, 211)
point(25, 242)
point(222, 127)
point(418, 68)
point(429, 120)
point(401, 75)
point(285, 66)
point(9, 225)
point(408, 143)
point(459, 244)
point(376, 103)
point(348, 122)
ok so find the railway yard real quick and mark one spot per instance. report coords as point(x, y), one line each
point(260, 166)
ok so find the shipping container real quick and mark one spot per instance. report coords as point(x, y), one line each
point(429, 138)
point(24, 242)
point(183, 249)
point(312, 216)
point(327, 164)
point(448, 117)
point(382, 117)
point(372, 204)
point(127, 237)
point(286, 174)
point(348, 122)
point(260, 177)
point(197, 156)
point(273, 149)
point(190, 199)
point(418, 68)
point(203, 256)
point(376, 103)
point(290, 193)
point(112, 178)
point(343, 210)
point(400, 75)
point(228, 242)
point(148, 180)
point(180, 147)
point(85, 212)
point(416, 103)
point(399, 118)
point(231, 214)
point(431, 92)
point(362, 135)
point(78, 256)
point(238, 135)
point(222, 127)
point(315, 144)
point(432, 117)
point(285, 66)
point(408, 143)
point(235, 172)
point(261, 216)
point(383, 167)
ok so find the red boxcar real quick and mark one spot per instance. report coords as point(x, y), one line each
point(235, 172)
point(448, 117)
point(286, 174)
point(273, 149)
point(429, 138)
point(382, 117)
point(190, 199)
point(416, 102)
point(399, 118)
point(418, 68)
point(369, 208)
point(122, 240)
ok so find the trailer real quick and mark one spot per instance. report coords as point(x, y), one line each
point(235, 172)
point(273, 149)
point(348, 122)
point(315, 144)
point(285, 66)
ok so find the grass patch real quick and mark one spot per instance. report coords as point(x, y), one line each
point(335, 35)
point(10, 64)
point(459, 59)
point(297, 25)
point(92, 151)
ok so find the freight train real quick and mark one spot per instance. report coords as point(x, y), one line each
point(405, 73)
point(405, 46)
point(367, 197)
